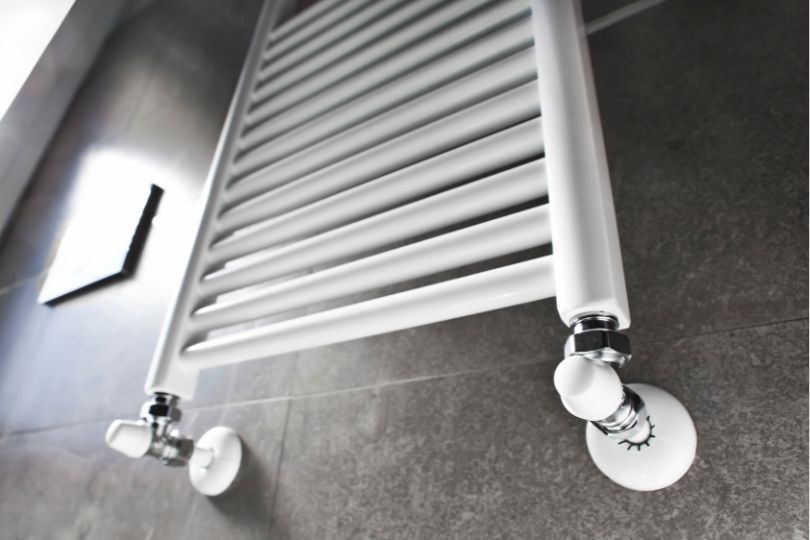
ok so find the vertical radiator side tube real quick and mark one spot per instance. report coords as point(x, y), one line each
point(588, 268)
point(166, 374)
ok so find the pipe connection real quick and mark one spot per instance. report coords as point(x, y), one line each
point(213, 463)
point(588, 383)
point(155, 434)
point(597, 338)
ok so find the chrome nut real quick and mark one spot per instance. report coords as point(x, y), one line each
point(160, 407)
point(600, 345)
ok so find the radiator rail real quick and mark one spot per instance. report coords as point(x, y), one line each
point(433, 149)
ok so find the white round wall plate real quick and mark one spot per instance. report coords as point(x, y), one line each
point(656, 463)
point(220, 474)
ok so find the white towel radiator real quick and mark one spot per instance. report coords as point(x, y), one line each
point(361, 132)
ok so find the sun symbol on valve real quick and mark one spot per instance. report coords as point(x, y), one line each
point(645, 442)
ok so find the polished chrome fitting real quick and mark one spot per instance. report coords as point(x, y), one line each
point(638, 435)
point(595, 336)
point(213, 463)
point(629, 422)
point(162, 409)
point(168, 445)
point(154, 434)
point(588, 382)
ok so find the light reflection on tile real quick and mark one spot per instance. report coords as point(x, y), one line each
point(104, 238)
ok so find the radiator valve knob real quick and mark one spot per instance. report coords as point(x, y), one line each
point(131, 438)
point(589, 390)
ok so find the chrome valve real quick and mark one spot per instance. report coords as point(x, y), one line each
point(622, 418)
point(213, 462)
point(154, 434)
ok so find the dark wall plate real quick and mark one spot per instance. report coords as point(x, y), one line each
point(103, 241)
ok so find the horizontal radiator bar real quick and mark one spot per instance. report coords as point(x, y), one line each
point(282, 56)
point(515, 186)
point(501, 236)
point(324, 71)
point(513, 145)
point(315, 120)
point(339, 108)
point(503, 287)
point(378, 144)
point(307, 24)
point(494, 114)
point(398, 64)
point(390, 164)
point(444, 101)
point(290, 71)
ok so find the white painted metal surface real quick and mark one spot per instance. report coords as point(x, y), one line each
point(316, 119)
point(503, 287)
point(495, 238)
point(590, 276)
point(282, 57)
point(323, 71)
point(456, 96)
point(352, 47)
point(401, 62)
point(496, 113)
point(374, 143)
point(513, 145)
point(450, 207)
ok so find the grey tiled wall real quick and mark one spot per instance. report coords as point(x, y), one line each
point(452, 430)
point(31, 120)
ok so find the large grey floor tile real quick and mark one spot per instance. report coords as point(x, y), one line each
point(592, 10)
point(22, 322)
point(28, 242)
point(710, 190)
point(493, 454)
point(152, 106)
point(705, 120)
point(87, 357)
point(91, 353)
point(66, 483)
point(246, 510)
point(526, 333)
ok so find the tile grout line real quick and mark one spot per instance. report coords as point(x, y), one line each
point(375, 386)
point(326, 393)
point(619, 15)
point(280, 460)
point(259, 401)
point(471, 371)
point(722, 331)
